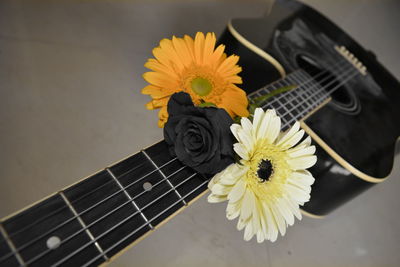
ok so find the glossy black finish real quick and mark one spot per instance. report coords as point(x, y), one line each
point(365, 136)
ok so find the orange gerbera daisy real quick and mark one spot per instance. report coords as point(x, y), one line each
point(195, 67)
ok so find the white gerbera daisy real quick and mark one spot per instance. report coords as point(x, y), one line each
point(271, 181)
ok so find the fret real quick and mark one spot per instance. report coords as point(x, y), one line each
point(175, 177)
point(165, 177)
point(83, 225)
point(9, 256)
point(317, 94)
point(302, 92)
point(131, 199)
point(283, 111)
point(306, 92)
point(296, 103)
point(31, 236)
point(109, 204)
point(157, 182)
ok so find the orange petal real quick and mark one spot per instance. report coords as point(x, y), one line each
point(216, 56)
point(156, 66)
point(163, 115)
point(180, 45)
point(172, 54)
point(150, 105)
point(199, 47)
point(236, 101)
point(156, 92)
point(190, 45)
point(162, 58)
point(209, 45)
point(160, 103)
point(160, 79)
point(228, 64)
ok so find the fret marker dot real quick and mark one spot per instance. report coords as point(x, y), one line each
point(147, 186)
point(53, 242)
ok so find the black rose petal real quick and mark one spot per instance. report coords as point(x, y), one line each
point(199, 137)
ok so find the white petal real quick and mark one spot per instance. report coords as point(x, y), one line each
point(301, 151)
point(246, 125)
point(248, 203)
point(215, 199)
point(294, 207)
point(233, 210)
point(241, 224)
point(297, 194)
point(219, 189)
point(293, 140)
point(265, 124)
point(306, 141)
point(262, 220)
point(275, 129)
point(233, 174)
point(241, 151)
point(235, 128)
point(258, 116)
point(285, 211)
point(248, 232)
point(300, 163)
point(303, 175)
point(286, 136)
point(237, 191)
point(246, 139)
point(301, 181)
point(278, 219)
point(260, 236)
point(271, 225)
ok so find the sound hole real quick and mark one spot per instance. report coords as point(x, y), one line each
point(342, 98)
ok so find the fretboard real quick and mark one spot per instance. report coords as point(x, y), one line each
point(296, 103)
point(89, 222)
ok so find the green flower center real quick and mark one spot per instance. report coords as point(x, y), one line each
point(201, 86)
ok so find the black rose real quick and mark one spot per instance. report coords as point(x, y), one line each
point(199, 137)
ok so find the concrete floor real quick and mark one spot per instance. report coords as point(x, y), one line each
point(70, 76)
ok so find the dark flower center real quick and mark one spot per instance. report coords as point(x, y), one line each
point(264, 170)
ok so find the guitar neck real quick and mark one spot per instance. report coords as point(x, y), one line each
point(89, 222)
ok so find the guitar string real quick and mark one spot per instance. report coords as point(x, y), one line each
point(320, 94)
point(147, 223)
point(135, 231)
point(313, 78)
point(80, 198)
point(302, 92)
point(20, 248)
point(342, 62)
point(111, 181)
point(37, 257)
point(310, 97)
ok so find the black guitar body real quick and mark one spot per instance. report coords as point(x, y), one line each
point(357, 130)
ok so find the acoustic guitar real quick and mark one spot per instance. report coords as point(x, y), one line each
point(345, 99)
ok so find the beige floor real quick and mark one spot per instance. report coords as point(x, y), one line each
point(70, 77)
